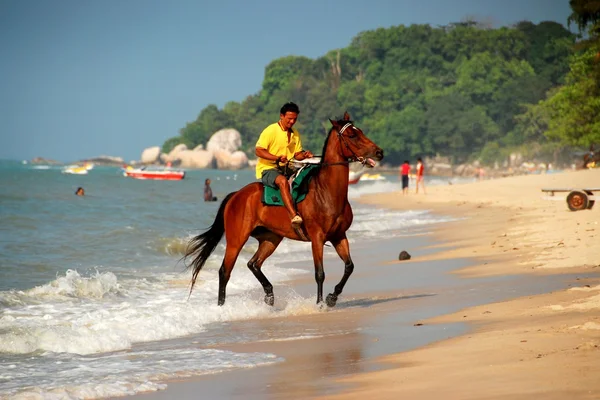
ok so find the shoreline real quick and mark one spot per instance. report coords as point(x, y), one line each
point(544, 345)
point(506, 240)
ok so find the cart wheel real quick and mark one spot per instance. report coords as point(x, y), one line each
point(577, 200)
point(590, 202)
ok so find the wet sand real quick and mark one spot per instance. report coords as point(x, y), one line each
point(443, 324)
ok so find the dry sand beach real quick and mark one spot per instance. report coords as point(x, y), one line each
point(510, 346)
point(546, 345)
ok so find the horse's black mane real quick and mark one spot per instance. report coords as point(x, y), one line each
point(340, 122)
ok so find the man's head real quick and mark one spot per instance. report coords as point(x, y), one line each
point(288, 115)
point(207, 181)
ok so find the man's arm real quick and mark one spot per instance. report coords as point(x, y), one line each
point(263, 153)
point(303, 154)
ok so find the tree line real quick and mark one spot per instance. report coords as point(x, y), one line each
point(465, 91)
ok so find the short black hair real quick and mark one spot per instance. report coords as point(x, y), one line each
point(405, 161)
point(289, 107)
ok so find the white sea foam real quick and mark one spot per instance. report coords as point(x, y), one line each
point(81, 315)
point(117, 374)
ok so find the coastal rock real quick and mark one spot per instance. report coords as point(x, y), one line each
point(174, 153)
point(227, 160)
point(196, 159)
point(228, 140)
point(45, 161)
point(150, 155)
point(105, 160)
point(404, 255)
point(238, 160)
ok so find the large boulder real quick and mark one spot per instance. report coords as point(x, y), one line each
point(150, 155)
point(196, 159)
point(227, 160)
point(228, 140)
point(174, 153)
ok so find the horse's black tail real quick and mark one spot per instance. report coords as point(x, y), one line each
point(202, 246)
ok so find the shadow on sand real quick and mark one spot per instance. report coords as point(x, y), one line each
point(371, 301)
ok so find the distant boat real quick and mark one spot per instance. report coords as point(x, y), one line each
point(76, 170)
point(372, 177)
point(164, 174)
point(354, 177)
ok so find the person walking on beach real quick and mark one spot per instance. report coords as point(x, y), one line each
point(404, 175)
point(420, 175)
point(277, 144)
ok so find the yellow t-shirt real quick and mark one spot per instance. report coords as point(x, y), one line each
point(274, 139)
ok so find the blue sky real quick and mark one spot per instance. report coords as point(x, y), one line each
point(80, 79)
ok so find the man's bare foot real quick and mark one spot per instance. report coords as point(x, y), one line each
point(297, 220)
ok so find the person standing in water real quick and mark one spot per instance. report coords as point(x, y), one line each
point(208, 194)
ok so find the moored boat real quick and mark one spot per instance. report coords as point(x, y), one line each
point(166, 174)
point(354, 177)
point(75, 169)
point(372, 177)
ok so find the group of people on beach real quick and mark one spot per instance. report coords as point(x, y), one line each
point(405, 174)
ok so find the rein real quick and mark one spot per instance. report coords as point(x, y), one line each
point(355, 158)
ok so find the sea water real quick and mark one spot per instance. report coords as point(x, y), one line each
point(94, 297)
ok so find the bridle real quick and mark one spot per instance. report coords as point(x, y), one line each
point(342, 139)
point(355, 158)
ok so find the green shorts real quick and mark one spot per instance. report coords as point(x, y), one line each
point(268, 177)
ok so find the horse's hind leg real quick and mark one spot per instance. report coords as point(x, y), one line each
point(343, 249)
point(231, 255)
point(266, 246)
point(232, 251)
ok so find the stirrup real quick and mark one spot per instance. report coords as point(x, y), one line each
point(297, 220)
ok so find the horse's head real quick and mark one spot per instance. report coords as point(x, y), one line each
point(354, 144)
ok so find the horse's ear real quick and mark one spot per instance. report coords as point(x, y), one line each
point(334, 123)
point(346, 116)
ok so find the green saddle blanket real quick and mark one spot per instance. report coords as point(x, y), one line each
point(272, 196)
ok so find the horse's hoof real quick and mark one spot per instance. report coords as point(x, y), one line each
point(270, 299)
point(331, 300)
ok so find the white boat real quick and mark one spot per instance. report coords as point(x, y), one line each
point(354, 177)
point(75, 170)
point(372, 177)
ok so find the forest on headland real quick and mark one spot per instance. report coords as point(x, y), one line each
point(465, 91)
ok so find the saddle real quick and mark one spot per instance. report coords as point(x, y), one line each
point(298, 188)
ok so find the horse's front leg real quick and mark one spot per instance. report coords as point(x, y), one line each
point(317, 250)
point(267, 245)
point(343, 249)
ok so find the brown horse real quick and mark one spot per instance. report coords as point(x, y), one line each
point(326, 212)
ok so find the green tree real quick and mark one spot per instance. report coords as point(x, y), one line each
point(574, 109)
point(418, 90)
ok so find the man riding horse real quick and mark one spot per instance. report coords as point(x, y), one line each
point(326, 209)
point(278, 143)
